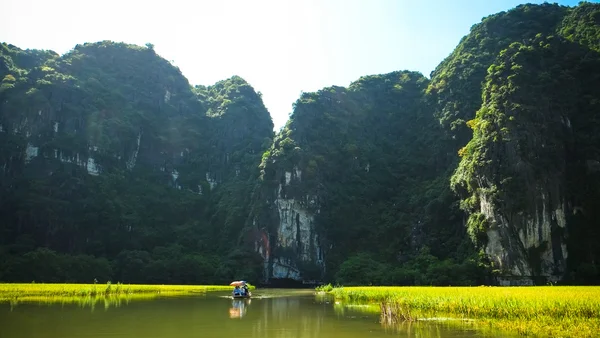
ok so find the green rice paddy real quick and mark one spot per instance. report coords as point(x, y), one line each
point(89, 294)
point(557, 311)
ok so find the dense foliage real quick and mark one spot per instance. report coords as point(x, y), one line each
point(455, 86)
point(172, 161)
point(372, 153)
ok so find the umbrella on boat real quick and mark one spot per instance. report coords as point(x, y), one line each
point(238, 283)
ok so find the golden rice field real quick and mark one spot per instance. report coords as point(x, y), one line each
point(557, 311)
point(38, 292)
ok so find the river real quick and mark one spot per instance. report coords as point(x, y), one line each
point(276, 313)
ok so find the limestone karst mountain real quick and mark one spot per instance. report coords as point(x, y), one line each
point(113, 165)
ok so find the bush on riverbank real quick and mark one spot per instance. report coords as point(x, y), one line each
point(422, 269)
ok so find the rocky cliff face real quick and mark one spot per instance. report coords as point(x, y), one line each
point(537, 249)
point(284, 216)
point(297, 241)
point(522, 170)
point(519, 166)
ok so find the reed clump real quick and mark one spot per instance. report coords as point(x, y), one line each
point(324, 288)
point(572, 311)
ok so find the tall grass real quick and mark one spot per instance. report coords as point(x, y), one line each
point(552, 310)
point(15, 292)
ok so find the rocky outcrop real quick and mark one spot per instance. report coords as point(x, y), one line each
point(295, 233)
point(289, 242)
point(524, 248)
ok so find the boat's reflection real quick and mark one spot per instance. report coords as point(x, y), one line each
point(238, 308)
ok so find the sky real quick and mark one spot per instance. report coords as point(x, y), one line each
point(282, 48)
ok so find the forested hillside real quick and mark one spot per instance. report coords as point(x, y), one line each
point(112, 166)
point(115, 168)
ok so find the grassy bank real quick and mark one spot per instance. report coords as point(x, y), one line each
point(553, 310)
point(32, 291)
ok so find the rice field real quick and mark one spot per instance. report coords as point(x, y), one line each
point(558, 311)
point(38, 292)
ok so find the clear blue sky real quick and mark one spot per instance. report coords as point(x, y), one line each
point(280, 47)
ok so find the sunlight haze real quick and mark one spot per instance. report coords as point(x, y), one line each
point(280, 47)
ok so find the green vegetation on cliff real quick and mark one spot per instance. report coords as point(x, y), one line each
point(456, 83)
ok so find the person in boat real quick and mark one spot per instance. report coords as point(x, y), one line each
point(245, 290)
point(237, 291)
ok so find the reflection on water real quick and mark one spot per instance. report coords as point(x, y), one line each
point(269, 314)
point(434, 329)
point(425, 328)
point(238, 308)
point(91, 302)
point(342, 309)
point(289, 317)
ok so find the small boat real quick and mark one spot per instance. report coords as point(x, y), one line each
point(242, 296)
point(242, 286)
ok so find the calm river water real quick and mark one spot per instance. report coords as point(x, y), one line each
point(276, 313)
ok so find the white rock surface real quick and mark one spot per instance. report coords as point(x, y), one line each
point(30, 152)
point(534, 231)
